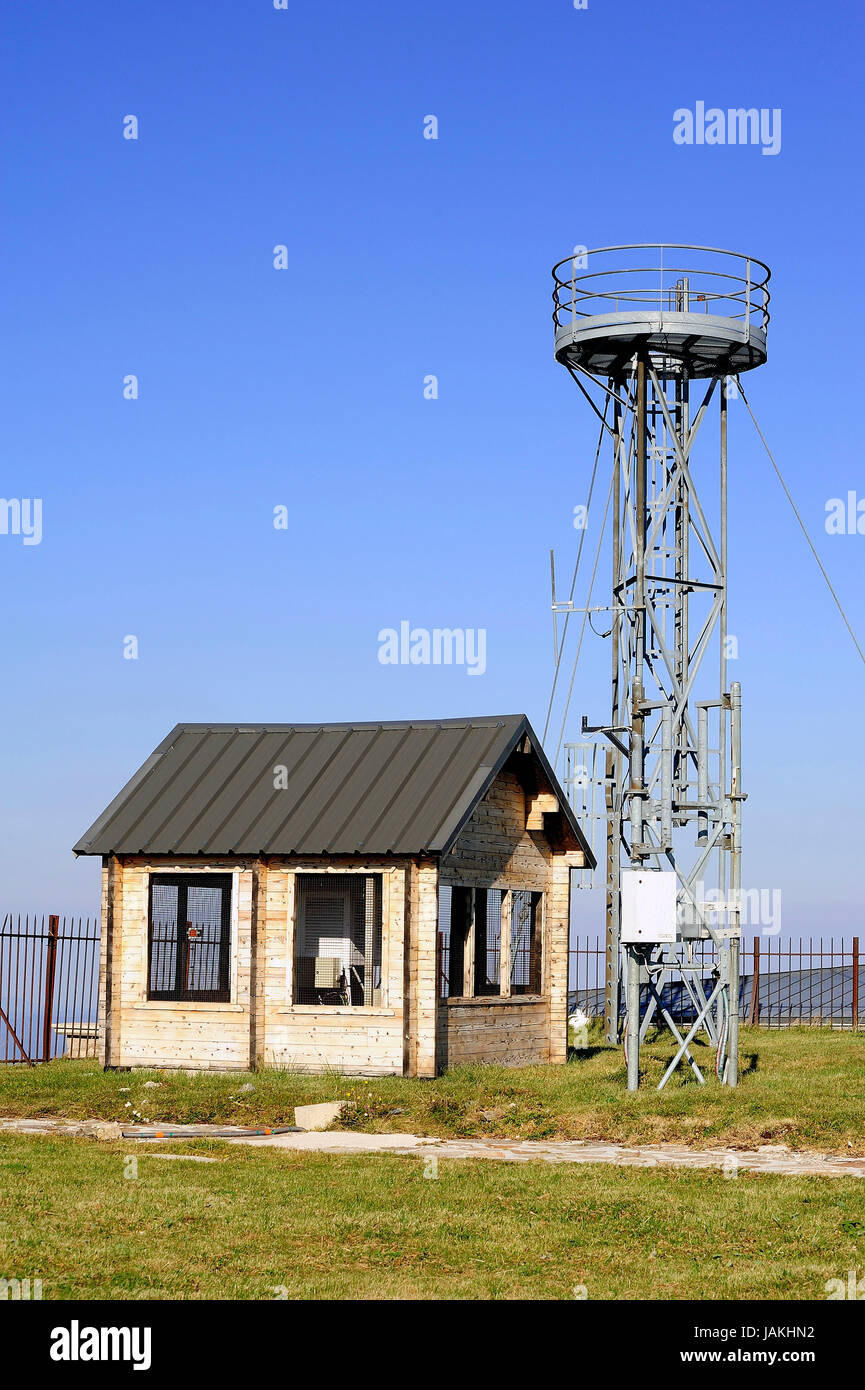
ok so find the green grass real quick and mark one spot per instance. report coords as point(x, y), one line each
point(800, 1087)
point(371, 1227)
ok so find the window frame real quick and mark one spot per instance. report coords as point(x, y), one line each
point(466, 945)
point(343, 879)
point(182, 881)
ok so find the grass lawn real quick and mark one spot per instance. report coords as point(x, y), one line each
point(332, 1227)
point(801, 1087)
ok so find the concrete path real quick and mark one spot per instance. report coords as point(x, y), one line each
point(770, 1158)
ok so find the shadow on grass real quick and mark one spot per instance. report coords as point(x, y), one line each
point(582, 1054)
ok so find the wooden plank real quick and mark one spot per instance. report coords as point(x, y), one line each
point(540, 805)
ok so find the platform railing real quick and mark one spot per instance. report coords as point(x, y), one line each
point(587, 285)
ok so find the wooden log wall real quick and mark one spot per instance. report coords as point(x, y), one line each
point(408, 1029)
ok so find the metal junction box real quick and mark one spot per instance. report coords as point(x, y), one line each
point(648, 905)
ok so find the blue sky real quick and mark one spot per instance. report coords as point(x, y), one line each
point(304, 387)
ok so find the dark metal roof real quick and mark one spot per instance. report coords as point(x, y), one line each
point(397, 788)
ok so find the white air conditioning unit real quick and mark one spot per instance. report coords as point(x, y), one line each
point(328, 972)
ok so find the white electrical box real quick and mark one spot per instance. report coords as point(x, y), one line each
point(648, 905)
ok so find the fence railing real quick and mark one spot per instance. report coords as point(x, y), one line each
point(49, 983)
point(782, 984)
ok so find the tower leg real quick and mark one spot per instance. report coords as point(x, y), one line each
point(735, 873)
point(733, 1042)
point(633, 1031)
point(612, 961)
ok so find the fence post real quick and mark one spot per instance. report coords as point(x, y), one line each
point(50, 966)
point(754, 1016)
point(855, 982)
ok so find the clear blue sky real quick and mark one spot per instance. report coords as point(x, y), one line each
point(304, 387)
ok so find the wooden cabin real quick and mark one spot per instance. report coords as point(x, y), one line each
point(378, 898)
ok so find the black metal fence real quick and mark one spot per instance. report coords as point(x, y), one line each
point(49, 985)
point(783, 984)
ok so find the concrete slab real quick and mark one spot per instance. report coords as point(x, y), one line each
point(315, 1117)
point(185, 1158)
point(779, 1161)
point(770, 1158)
point(342, 1141)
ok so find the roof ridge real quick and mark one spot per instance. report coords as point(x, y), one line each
point(477, 720)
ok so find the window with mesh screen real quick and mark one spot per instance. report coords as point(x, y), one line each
point(459, 937)
point(461, 911)
point(525, 942)
point(443, 941)
point(189, 937)
point(488, 937)
point(337, 958)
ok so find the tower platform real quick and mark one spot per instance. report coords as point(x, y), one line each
point(697, 310)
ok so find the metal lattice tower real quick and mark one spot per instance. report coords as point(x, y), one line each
point(655, 337)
